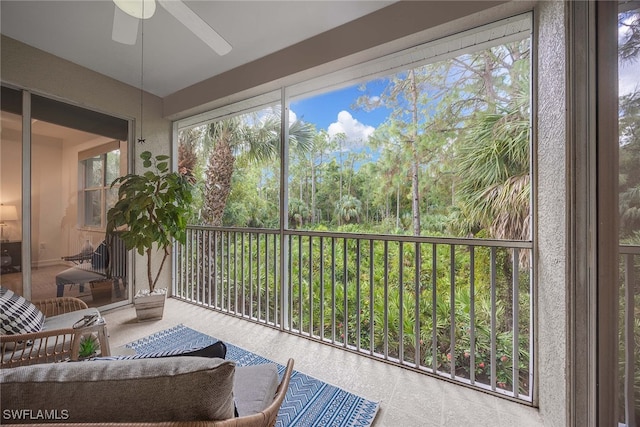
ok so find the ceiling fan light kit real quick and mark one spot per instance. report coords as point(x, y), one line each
point(141, 9)
point(128, 13)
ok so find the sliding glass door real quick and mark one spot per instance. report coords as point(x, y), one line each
point(73, 156)
point(11, 190)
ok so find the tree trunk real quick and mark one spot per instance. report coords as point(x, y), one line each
point(415, 196)
point(218, 182)
point(313, 191)
point(398, 206)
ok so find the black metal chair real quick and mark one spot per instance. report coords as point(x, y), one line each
point(109, 260)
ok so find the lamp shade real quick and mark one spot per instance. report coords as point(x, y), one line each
point(8, 213)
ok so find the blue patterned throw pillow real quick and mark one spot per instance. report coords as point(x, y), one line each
point(17, 315)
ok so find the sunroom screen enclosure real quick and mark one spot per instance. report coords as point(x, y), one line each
point(400, 227)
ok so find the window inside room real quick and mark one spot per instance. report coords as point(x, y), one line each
point(97, 173)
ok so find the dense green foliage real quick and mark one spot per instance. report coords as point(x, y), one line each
point(388, 308)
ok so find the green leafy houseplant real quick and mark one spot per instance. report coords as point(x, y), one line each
point(151, 210)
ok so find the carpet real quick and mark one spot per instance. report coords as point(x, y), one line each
point(308, 402)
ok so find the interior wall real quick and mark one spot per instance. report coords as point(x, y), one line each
point(46, 204)
point(25, 67)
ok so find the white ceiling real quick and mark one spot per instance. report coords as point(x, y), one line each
point(80, 31)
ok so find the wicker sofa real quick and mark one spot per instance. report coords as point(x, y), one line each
point(57, 340)
point(167, 391)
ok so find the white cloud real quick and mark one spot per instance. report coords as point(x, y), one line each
point(292, 116)
point(628, 77)
point(357, 133)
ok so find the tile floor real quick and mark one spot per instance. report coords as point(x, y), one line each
point(406, 398)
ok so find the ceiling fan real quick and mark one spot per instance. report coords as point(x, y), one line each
point(128, 13)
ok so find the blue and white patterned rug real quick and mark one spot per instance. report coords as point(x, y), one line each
point(308, 402)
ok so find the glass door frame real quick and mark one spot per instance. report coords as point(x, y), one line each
point(26, 184)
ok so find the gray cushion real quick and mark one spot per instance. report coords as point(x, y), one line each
point(152, 390)
point(255, 387)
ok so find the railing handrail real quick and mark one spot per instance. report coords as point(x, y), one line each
point(630, 249)
point(457, 241)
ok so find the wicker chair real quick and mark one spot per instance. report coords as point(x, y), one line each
point(54, 344)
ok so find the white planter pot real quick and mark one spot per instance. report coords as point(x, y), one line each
point(150, 307)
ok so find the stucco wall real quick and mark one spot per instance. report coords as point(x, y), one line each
point(42, 73)
point(552, 207)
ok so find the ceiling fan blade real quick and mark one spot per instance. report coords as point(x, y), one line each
point(193, 22)
point(125, 27)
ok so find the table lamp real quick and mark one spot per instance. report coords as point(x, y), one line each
point(7, 213)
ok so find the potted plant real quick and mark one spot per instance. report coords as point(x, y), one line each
point(149, 216)
point(88, 346)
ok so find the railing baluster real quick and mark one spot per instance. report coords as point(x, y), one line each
point(345, 315)
point(259, 277)
point(300, 296)
point(386, 300)
point(493, 319)
point(358, 294)
point(200, 269)
point(452, 310)
point(401, 302)
point(371, 298)
point(333, 289)
point(434, 307)
point(472, 315)
point(630, 345)
point(243, 288)
point(191, 281)
point(416, 326)
point(235, 274)
point(227, 283)
point(310, 286)
point(290, 283)
point(210, 256)
point(275, 280)
point(321, 288)
point(266, 277)
point(251, 275)
point(515, 357)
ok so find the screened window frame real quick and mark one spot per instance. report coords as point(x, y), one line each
point(517, 27)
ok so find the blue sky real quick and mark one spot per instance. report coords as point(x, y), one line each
point(333, 111)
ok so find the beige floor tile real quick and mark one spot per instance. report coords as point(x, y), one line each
point(407, 398)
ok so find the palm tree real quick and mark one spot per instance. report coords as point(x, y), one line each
point(298, 213)
point(494, 175)
point(256, 136)
point(348, 209)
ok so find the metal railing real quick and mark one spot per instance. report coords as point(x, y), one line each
point(458, 309)
point(629, 327)
point(390, 297)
